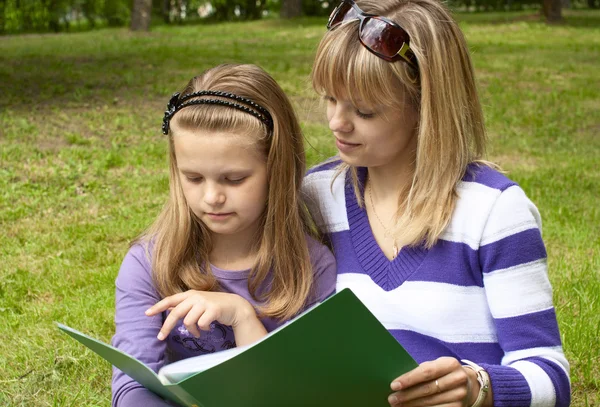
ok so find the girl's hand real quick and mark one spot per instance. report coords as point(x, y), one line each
point(441, 382)
point(199, 309)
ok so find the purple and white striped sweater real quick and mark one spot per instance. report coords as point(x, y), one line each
point(481, 293)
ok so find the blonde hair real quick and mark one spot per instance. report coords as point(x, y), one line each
point(450, 133)
point(181, 243)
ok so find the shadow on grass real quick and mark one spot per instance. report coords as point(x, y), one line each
point(88, 80)
point(115, 65)
point(137, 68)
point(583, 19)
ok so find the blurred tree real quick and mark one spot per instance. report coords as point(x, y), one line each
point(92, 10)
point(231, 10)
point(253, 9)
point(318, 7)
point(57, 15)
point(552, 10)
point(224, 9)
point(140, 15)
point(2, 15)
point(164, 9)
point(291, 8)
point(116, 12)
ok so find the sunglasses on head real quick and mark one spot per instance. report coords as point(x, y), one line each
point(380, 35)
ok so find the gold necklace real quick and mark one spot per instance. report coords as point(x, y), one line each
point(387, 234)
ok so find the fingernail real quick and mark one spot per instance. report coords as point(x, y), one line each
point(392, 399)
point(396, 386)
point(160, 336)
point(147, 311)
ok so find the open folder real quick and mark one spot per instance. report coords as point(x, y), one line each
point(334, 354)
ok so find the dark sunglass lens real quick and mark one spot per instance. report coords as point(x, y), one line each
point(343, 12)
point(382, 37)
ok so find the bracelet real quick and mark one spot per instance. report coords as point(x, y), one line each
point(482, 377)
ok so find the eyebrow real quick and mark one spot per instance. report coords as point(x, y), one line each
point(236, 171)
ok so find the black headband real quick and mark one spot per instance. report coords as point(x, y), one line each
point(176, 104)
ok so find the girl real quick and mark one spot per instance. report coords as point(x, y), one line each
point(232, 236)
point(443, 248)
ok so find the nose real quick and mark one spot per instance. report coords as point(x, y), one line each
point(213, 194)
point(339, 120)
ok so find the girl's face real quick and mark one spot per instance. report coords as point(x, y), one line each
point(224, 180)
point(372, 136)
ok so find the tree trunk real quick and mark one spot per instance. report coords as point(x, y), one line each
point(253, 10)
point(552, 11)
point(2, 8)
point(54, 14)
point(140, 15)
point(291, 8)
point(166, 10)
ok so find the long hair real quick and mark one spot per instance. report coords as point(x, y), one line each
point(441, 88)
point(181, 243)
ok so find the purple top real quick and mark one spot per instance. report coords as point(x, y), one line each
point(136, 333)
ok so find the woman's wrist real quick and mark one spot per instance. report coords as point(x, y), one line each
point(480, 394)
point(474, 386)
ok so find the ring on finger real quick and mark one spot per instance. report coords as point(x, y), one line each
point(437, 385)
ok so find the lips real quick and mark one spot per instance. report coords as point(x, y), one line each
point(344, 146)
point(219, 216)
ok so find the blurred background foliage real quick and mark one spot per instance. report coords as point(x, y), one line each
point(24, 16)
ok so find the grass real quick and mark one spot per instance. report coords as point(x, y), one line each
point(83, 170)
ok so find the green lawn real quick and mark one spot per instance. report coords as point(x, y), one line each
point(83, 170)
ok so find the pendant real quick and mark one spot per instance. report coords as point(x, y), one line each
point(395, 247)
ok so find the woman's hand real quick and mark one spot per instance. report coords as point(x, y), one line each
point(441, 382)
point(199, 309)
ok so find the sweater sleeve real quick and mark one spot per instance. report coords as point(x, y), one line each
point(534, 370)
point(135, 332)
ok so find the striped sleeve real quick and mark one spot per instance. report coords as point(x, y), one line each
point(534, 371)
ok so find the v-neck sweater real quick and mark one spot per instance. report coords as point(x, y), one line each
point(481, 293)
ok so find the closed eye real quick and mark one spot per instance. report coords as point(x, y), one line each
point(236, 181)
point(194, 180)
point(364, 115)
point(357, 111)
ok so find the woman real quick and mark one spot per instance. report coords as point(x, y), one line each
point(443, 248)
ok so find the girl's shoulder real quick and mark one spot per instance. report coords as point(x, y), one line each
point(140, 249)
point(137, 263)
point(317, 249)
point(324, 268)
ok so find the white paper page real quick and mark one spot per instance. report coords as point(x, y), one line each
point(177, 371)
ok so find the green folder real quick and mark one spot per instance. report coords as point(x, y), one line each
point(335, 354)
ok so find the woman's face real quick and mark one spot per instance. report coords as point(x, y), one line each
point(373, 136)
